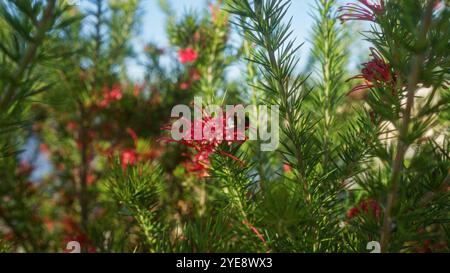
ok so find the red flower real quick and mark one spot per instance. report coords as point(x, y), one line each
point(184, 86)
point(371, 206)
point(115, 94)
point(209, 142)
point(353, 212)
point(375, 73)
point(368, 207)
point(199, 164)
point(128, 157)
point(187, 55)
point(365, 10)
point(287, 168)
point(90, 179)
point(104, 103)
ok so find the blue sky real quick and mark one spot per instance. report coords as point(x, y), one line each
point(154, 21)
point(153, 29)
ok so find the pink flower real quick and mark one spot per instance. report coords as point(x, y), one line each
point(187, 55)
point(365, 10)
point(375, 73)
point(104, 103)
point(210, 141)
point(371, 206)
point(114, 94)
point(128, 157)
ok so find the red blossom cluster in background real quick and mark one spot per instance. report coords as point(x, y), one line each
point(128, 157)
point(73, 232)
point(368, 207)
point(110, 95)
point(430, 246)
point(187, 55)
point(131, 156)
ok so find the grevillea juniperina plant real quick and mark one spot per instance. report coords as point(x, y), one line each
point(88, 154)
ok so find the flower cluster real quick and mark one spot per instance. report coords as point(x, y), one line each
point(375, 73)
point(110, 95)
point(131, 156)
point(187, 55)
point(368, 207)
point(365, 10)
point(220, 131)
point(128, 157)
